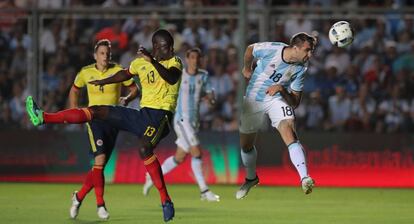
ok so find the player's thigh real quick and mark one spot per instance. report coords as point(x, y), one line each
point(102, 137)
point(126, 119)
point(155, 126)
point(279, 110)
point(251, 117)
point(282, 117)
point(186, 135)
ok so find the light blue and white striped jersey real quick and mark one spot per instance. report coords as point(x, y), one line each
point(192, 88)
point(272, 69)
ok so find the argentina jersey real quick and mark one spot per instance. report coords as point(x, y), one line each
point(192, 89)
point(271, 69)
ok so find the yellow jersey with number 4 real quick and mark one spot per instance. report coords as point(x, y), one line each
point(105, 95)
point(156, 92)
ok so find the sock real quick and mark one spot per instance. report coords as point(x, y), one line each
point(99, 184)
point(196, 166)
point(168, 165)
point(249, 162)
point(297, 156)
point(72, 116)
point(86, 187)
point(153, 167)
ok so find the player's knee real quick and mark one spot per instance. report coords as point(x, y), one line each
point(146, 149)
point(179, 159)
point(247, 146)
point(100, 160)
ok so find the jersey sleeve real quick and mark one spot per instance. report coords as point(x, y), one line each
point(79, 80)
point(207, 87)
point(134, 66)
point(264, 49)
point(298, 79)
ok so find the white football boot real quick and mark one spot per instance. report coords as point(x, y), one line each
point(209, 196)
point(307, 185)
point(245, 188)
point(103, 213)
point(74, 209)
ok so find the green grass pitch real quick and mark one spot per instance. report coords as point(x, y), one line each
point(49, 203)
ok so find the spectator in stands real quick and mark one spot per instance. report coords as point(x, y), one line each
point(194, 33)
point(129, 55)
point(363, 108)
point(216, 37)
point(114, 33)
point(339, 58)
point(339, 108)
point(315, 113)
point(222, 84)
point(52, 37)
point(144, 36)
point(393, 111)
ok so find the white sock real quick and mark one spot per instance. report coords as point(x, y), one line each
point(249, 162)
point(168, 165)
point(297, 156)
point(196, 165)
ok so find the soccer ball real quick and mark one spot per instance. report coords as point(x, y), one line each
point(341, 34)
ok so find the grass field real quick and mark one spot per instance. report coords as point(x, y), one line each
point(49, 203)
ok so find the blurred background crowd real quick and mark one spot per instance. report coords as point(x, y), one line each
point(365, 87)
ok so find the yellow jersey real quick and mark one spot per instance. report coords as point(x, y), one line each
point(156, 92)
point(105, 95)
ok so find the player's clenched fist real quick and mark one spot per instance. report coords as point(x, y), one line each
point(142, 52)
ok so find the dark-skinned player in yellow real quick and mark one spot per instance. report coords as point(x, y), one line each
point(159, 74)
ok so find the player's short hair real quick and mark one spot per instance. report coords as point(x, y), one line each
point(102, 42)
point(302, 37)
point(191, 50)
point(164, 35)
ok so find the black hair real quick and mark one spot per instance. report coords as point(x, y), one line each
point(163, 35)
point(302, 37)
point(102, 42)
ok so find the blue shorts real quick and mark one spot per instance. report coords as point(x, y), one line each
point(147, 123)
point(102, 137)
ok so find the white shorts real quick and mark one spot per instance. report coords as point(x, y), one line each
point(253, 113)
point(186, 134)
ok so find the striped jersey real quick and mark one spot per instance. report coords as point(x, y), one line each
point(192, 88)
point(271, 69)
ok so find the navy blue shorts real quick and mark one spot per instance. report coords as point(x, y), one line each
point(102, 137)
point(147, 123)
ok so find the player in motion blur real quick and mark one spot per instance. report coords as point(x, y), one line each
point(194, 83)
point(275, 89)
point(159, 74)
point(102, 136)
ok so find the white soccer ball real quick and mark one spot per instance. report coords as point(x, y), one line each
point(341, 34)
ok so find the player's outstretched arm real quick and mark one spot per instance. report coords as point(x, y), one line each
point(120, 76)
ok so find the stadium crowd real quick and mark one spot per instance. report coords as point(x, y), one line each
point(365, 87)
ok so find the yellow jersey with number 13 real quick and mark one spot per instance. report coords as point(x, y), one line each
point(156, 92)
